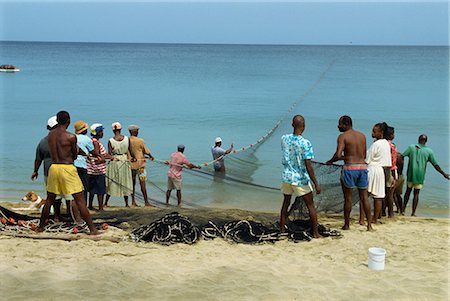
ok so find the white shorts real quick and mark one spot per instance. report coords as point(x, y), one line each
point(173, 183)
point(290, 189)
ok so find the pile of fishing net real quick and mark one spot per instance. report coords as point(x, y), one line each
point(12, 223)
point(176, 228)
point(171, 228)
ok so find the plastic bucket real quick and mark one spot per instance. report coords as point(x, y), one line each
point(376, 258)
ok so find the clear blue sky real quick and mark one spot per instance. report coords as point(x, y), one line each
point(251, 22)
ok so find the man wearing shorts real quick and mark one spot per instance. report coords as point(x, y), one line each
point(177, 162)
point(139, 152)
point(351, 147)
point(298, 173)
point(419, 155)
point(63, 176)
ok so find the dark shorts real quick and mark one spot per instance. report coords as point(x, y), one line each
point(97, 184)
point(355, 176)
point(82, 173)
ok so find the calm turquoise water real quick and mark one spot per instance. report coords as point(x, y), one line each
point(192, 93)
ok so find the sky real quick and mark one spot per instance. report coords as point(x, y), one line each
point(232, 22)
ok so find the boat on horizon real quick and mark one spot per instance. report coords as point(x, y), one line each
point(8, 68)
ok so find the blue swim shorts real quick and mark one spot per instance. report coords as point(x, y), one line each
point(355, 176)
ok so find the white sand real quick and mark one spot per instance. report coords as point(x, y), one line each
point(323, 269)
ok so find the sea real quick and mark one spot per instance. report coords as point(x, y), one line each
point(192, 93)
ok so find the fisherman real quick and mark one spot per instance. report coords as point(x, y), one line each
point(297, 153)
point(139, 152)
point(398, 187)
point(85, 146)
point(62, 176)
point(419, 155)
point(392, 176)
point(379, 165)
point(218, 154)
point(351, 147)
point(118, 171)
point(177, 160)
point(96, 167)
point(43, 155)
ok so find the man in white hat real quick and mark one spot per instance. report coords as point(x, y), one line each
point(218, 153)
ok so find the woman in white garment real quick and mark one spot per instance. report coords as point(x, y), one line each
point(378, 161)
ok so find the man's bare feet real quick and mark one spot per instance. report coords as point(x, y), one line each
point(40, 229)
point(148, 205)
point(345, 227)
point(362, 223)
point(94, 232)
point(317, 235)
point(134, 205)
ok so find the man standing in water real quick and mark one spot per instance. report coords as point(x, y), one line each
point(298, 172)
point(351, 147)
point(63, 176)
point(218, 152)
point(419, 155)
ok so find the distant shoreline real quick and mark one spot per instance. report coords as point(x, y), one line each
point(222, 44)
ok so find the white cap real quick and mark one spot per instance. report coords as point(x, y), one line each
point(52, 121)
point(218, 139)
point(116, 126)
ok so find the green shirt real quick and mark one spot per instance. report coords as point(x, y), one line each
point(419, 155)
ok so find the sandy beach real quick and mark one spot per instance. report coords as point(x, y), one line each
point(416, 266)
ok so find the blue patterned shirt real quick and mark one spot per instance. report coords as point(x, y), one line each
point(295, 150)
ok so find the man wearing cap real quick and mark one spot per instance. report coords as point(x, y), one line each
point(218, 153)
point(43, 154)
point(139, 152)
point(118, 171)
point(96, 167)
point(85, 147)
point(177, 160)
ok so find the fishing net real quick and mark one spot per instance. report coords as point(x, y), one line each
point(249, 177)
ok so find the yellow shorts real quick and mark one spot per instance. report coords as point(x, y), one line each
point(64, 179)
point(415, 186)
point(290, 189)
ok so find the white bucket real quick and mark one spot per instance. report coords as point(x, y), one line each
point(376, 258)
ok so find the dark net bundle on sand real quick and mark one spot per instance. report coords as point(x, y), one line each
point(167, 227)
point(177, 228)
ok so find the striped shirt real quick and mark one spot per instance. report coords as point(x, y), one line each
point(94, 168)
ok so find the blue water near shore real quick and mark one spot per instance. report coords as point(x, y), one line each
point(192, 93)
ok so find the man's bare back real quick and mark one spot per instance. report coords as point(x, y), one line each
point(354, 147)
point(63, 146)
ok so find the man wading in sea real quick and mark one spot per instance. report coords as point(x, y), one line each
point(63, 176)
point(351, 147)
point(298, 172)
point(218, 152)
point(419, 155)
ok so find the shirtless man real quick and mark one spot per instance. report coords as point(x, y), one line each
point(351, 147)
point(63, 176)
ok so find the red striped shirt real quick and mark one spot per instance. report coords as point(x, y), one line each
point(93, 167)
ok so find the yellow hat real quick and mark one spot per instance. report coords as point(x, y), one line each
point(80, 126)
